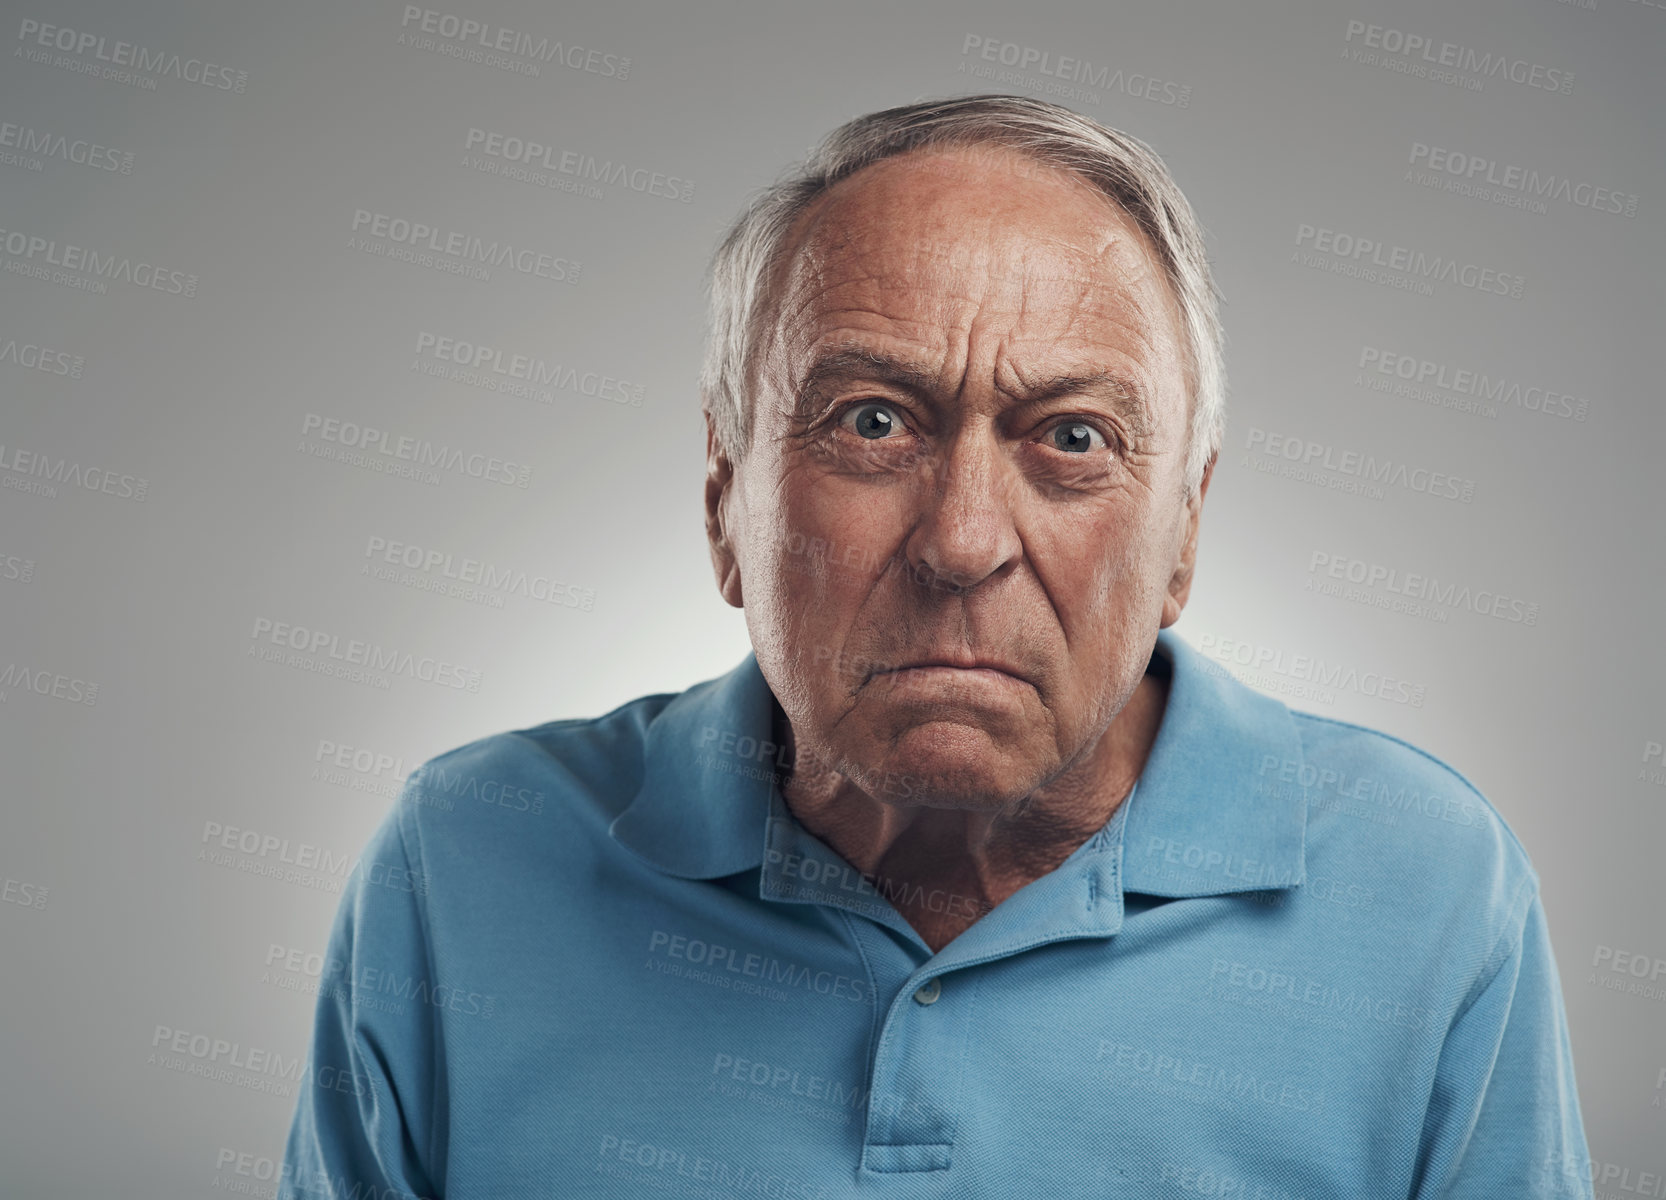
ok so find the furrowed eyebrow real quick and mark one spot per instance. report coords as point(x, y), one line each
point(1126, 396)
point(830, 370)
point(837, 367)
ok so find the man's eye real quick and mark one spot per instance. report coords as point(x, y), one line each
point(1076, 437)
point(872, 421)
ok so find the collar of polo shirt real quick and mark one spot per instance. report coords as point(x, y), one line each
point(1219, 808)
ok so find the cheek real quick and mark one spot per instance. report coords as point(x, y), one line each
point(1103, 573)
point(855, 528)
point(818, 579)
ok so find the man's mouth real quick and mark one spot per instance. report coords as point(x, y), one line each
point(945, 668)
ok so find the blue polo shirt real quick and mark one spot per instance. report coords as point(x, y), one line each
point(601, 958)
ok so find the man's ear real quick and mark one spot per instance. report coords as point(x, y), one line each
point(1180, 583)
point(720, 477)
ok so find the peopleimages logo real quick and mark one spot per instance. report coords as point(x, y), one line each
point(1064, 74)
point(1475, 391)
point(1150, 1066)
point(47, 683)
point(332, 649)
point(1226, 976)
point(1352, 254)
point(383, 450)
point(38, 40)
point(1653, 751)
point(22, 893)
point(32, 471)
point(33, 255)
point(522, 375)
point(1427, 53)
point(464, 253)
point(1464, 173)
point(1307, 669)
point(479, 41)
point(223, 1051)
point(1414, 588)
point(444, 568)
point(528, 153)
point(359, 769)
point(35, 357)
point(21, 570)
point(727, 961)
point(1311, 457)
point(719, 1176)
point(364, 982)
point(25, 141)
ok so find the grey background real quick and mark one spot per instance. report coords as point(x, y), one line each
point(114, 926)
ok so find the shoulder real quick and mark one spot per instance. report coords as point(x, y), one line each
point(583, 750)
point(528, 786)
point(1384, 810)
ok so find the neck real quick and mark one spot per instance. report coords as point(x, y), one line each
point(977, 858)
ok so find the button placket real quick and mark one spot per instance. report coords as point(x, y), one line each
point(916, 1078)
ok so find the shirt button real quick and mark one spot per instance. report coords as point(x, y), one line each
point(929, 992)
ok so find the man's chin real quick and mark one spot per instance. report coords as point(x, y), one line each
point(945, 764)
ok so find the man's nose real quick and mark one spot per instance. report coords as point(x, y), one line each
point(965, 531)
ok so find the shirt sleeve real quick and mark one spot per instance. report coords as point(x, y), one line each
point(363, 1123)
point(1503, 1117)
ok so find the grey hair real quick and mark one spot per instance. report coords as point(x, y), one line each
point(1118, 165)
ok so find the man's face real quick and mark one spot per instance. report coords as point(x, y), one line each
point(961, 519)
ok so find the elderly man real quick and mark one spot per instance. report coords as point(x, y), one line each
point(970, 881)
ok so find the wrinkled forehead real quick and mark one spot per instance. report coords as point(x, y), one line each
point(937, 240)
